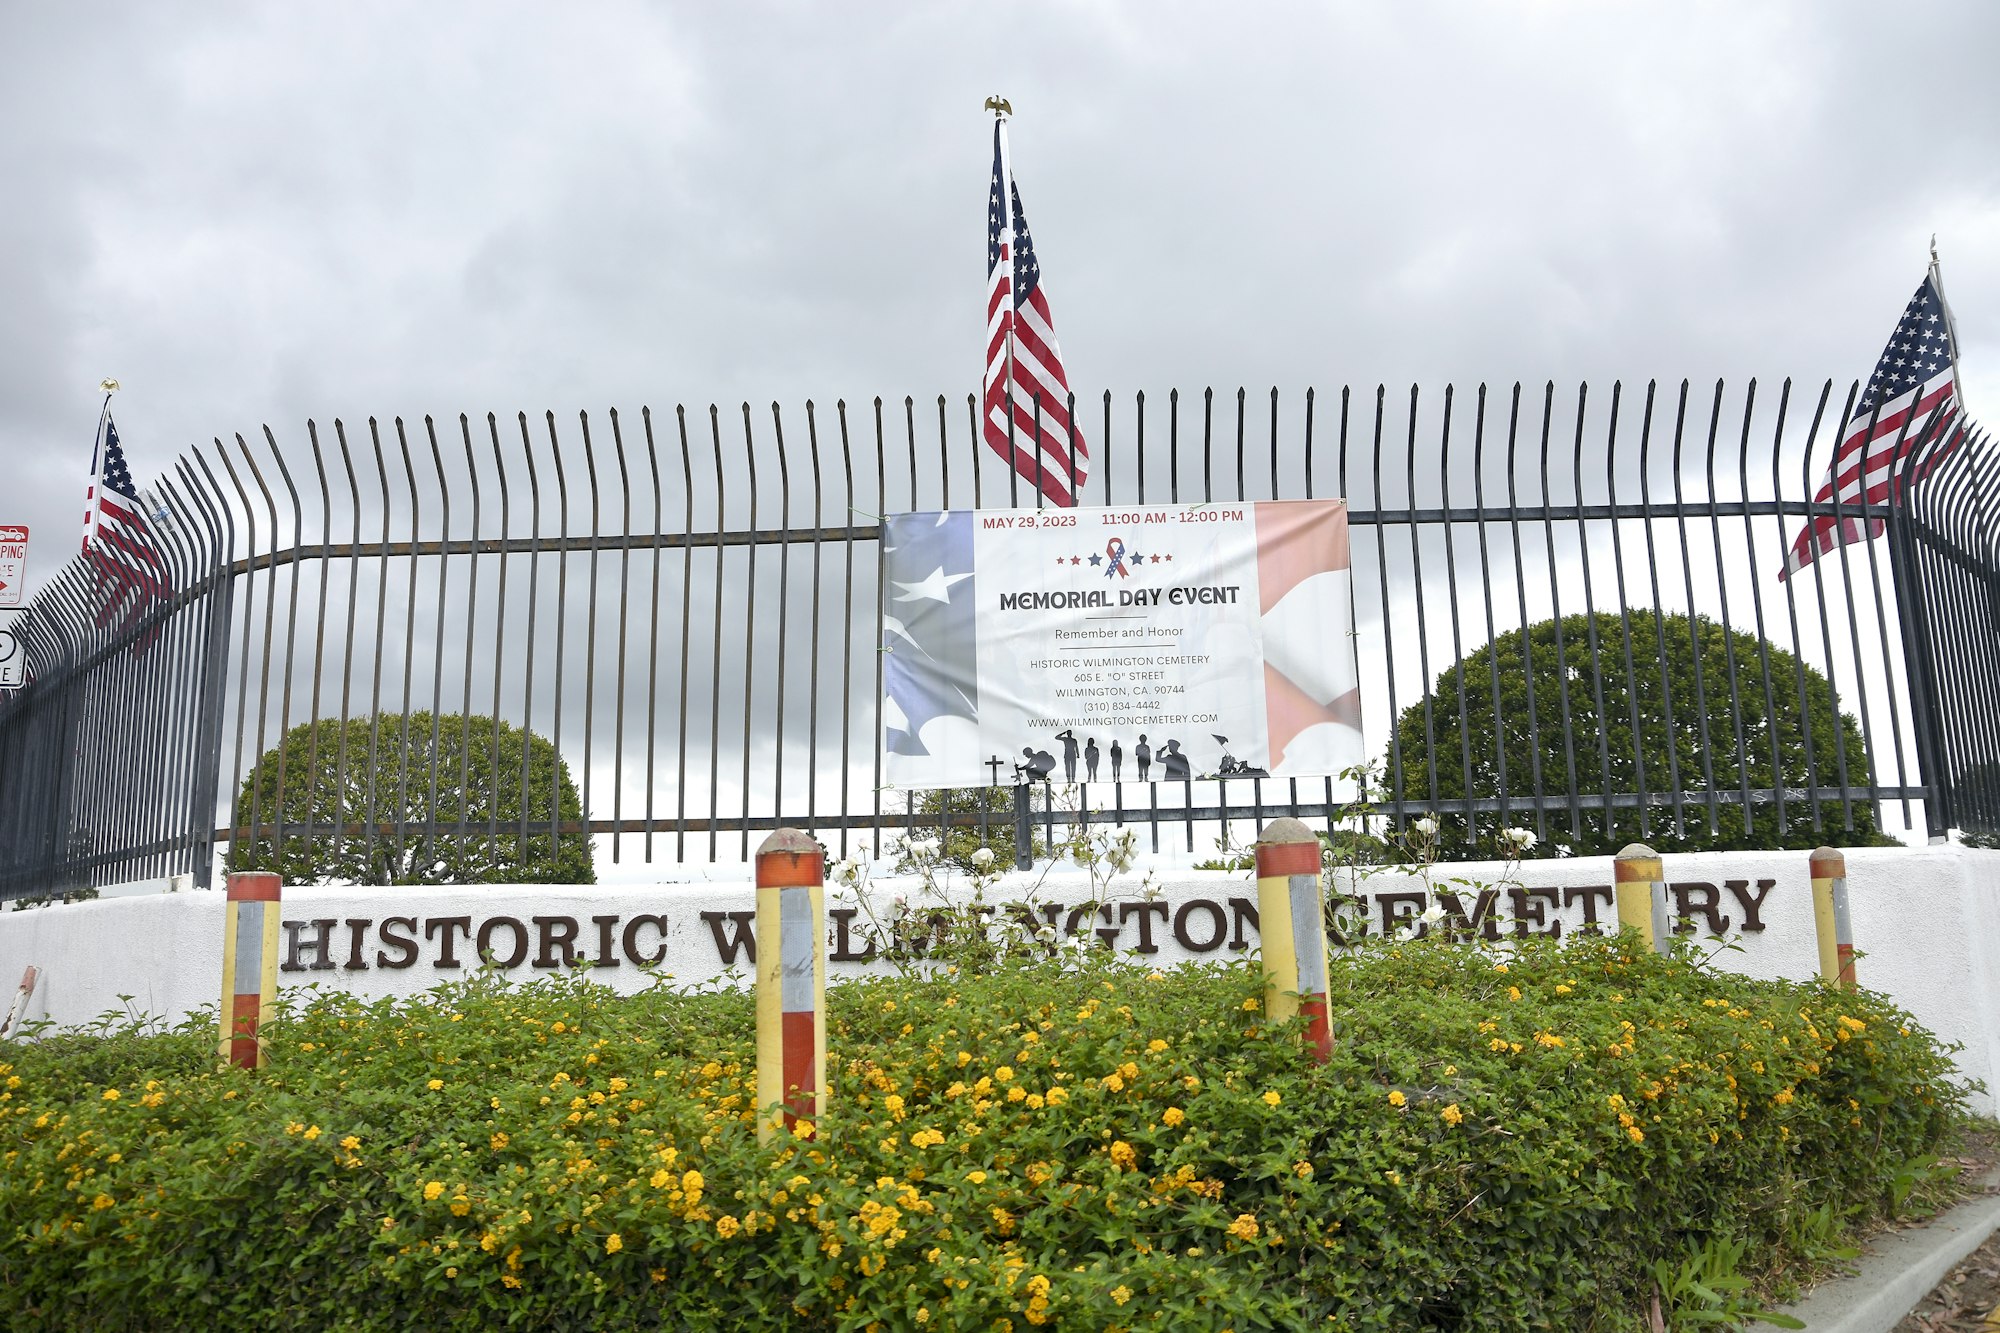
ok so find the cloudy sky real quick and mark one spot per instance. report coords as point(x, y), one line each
point(264, 214)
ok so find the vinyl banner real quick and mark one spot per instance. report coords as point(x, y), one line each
point(1118, 644)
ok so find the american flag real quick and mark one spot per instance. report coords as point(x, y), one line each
point(1024, 369)
point(1907, 418)
point(131, 575)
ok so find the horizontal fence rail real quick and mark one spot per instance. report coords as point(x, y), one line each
point(514, 647)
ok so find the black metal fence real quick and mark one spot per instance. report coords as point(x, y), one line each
point(417, 649)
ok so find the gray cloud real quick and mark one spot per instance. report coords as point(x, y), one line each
point(258, 214)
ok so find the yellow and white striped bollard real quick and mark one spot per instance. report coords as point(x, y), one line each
point(249, 965)
point(1291, 919)
point(1641, 887)
point(1836, 933)
point(791, 981)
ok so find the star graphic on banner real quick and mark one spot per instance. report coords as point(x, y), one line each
point(1075, 560)
point(1136, 558)
point(936, 588)
point(1095, 559)
point(1170, 557)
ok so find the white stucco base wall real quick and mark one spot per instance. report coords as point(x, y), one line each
point(1927, 921)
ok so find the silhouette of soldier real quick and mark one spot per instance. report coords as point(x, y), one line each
point(1040, 763)
point(1068, 738)
point(1142, 754)
point(1090, 758)
point(1175, 763)
point(1117, 758)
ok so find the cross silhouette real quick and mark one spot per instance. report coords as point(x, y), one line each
point(994, 763)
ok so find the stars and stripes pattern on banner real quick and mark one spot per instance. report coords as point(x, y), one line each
point(1026, 393)
point(1907, 419)
point(132, 576)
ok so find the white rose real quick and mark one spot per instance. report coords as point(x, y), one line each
point(983, 857)
point(1424, 827)
point(1519, 839)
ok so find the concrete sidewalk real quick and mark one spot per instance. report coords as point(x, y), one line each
point(1897, 1269)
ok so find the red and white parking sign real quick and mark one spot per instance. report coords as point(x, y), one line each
point(13, 563)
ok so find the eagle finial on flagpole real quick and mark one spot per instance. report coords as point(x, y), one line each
point(108, 385)
point(999, 106)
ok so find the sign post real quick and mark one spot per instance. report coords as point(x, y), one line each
point(13, 563)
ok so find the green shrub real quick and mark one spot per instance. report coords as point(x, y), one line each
point(1518, 1144)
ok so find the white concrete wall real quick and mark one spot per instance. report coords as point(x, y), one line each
point(1926, 920)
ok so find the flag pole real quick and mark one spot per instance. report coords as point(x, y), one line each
point(1950, 328)
point(1002, 111)
point(110, 386)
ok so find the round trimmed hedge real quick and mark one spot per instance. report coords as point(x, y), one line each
point(1499, 1142)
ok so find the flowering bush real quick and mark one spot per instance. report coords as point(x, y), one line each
point(1497, 1143)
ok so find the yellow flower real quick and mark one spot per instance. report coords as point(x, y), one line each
point(1303, 1170)
point(312, 1133)
point(1636, 1134)
point(711, 1070)
point(102, 1201)
point(435, 1084)
point(727, 1226)
point(498, 1141)
point(1172, 1116)
point(1057, 1096)
point(350, 1143)
point(1120, 1295)
point(111, 1094)
point(1250, 1005)
point(451, 1272)
point(1156, 1046)
point(1129, 1070)
point(1114, 1083)
point(432, 1190)
point(1496, 1045)
point(1244, 1227)
point(1272, 1099)
point(1003, 1074)
point(1562, 990)
point(1123, 1155)
point(1451, 1114)
point(1513, 992)
point(1038, 1285)
point(1397, 1099)
point(557, 1027)
point(1393, 1177)
point(976, 1177)
point(1784, 1098)
point(613, 1243)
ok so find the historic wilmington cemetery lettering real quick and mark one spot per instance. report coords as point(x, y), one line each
point(1136, 925)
